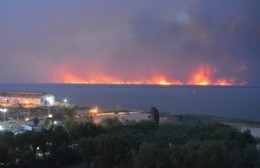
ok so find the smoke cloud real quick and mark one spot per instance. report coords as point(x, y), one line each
point(99, 41)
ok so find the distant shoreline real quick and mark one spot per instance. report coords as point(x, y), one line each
point(230, 101)
point(133, 84)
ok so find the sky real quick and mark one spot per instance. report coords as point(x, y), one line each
point(130, 41)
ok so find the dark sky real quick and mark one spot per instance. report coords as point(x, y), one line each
point(128, 41)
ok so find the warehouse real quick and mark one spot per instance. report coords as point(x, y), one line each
point(29, 99)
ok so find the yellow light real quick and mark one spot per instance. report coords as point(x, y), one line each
point(203, 83)
point(163, 82)
point(94, 110)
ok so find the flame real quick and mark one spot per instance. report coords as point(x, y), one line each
point(204, 75)
point(162, 80)
point(67, 77)
point(225, 82)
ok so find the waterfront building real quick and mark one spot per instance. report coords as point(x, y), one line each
point(27, 99)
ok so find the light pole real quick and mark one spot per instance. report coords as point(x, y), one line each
point(92, 112)
point(50, 101)
point(65, 103)
point(49, 110)
point(4, 115)
point(28, 109)
point(3, 111)
point(28, 112)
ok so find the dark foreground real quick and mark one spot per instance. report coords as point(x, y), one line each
point(135, 145)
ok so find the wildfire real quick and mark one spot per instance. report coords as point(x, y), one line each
point(74, 79)
point(204, 75)
point(162, 80)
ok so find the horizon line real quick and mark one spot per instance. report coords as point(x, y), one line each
point(128, 84)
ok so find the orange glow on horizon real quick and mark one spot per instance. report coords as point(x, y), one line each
point(162, 80)
point(203, 76)
point(74, 79)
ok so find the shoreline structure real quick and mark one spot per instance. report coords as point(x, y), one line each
point(124, 115)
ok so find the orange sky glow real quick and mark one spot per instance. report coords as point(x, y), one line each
point(204, 75)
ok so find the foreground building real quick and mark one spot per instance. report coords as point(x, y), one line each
point(32, 99)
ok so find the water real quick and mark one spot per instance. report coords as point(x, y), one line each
point(238, 102)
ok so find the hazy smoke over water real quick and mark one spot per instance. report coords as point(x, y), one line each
point(147, 41)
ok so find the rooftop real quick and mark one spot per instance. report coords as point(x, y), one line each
point(23, 94)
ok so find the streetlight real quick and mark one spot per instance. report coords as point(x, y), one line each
point(65, 103)
point(49, 115)
point(27, 105)
point(4, 113)
point(92, 112)
point(1, 128)
point(50, 100)
point(49, 110)
point(4, 110)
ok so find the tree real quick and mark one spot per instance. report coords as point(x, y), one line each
point(36, 121)
point(151, 157)
point(3, 153)
point(59, 116)
point(112, 151)
point(155, 114)
point(71, 113)
point(87, 150)
point(110, 122)
point(48, 123)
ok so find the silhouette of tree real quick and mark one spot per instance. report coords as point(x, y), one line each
point(36, 121)
point(155, 114)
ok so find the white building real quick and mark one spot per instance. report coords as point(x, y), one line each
point(32, 99)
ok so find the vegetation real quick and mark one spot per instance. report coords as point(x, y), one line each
point(155, 114)
point(134, 145)
point(36, 121)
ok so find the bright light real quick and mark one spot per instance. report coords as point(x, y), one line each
point(94, 110)
point(50, 115)
point(50, 100)
point(163, 82)
point(26, 119)
point(203, 83)
point(65, 100)
point(4, 110)
point(55, 122)
point(1, 128)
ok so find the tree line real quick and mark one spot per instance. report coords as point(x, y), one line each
point(142, 144)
